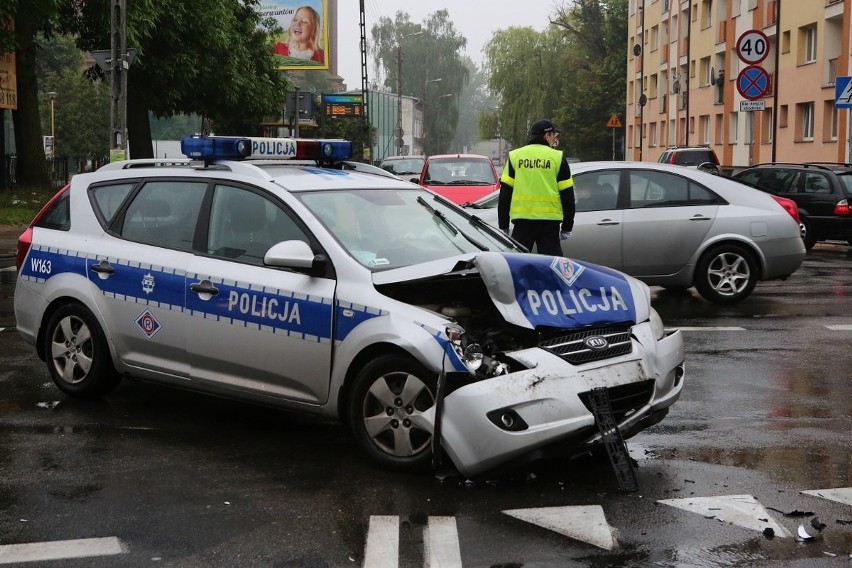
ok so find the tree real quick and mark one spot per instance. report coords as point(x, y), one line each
point(526, 71)
point(597, 32)
point(216, 62)
point(82, 117)
point(31, 17)
point(428, 55)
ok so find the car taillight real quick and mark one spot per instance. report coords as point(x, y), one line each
point(25, 241)
point(842, 208)
point(789, 206)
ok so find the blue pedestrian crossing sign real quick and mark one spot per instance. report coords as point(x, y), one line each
point(843, 92)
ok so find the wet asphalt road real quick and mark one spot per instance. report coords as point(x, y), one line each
point(185, 480)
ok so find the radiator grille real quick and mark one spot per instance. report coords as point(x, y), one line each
point(572, 347)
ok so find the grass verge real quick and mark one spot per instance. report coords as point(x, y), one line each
point(18, 206)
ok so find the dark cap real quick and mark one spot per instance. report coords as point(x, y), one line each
point(542, 127)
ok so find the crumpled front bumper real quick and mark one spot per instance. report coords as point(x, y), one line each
point(548, 399)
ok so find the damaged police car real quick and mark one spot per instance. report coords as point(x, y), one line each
point(302, 282)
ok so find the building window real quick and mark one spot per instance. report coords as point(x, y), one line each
point(705, 129)
point(766, 126)
point(719, 135)
point(652, 134)
point(733, 127)
point(704, 70)
point(782, 117)
point(807, 44)
point(829, 129)
point(805, 112)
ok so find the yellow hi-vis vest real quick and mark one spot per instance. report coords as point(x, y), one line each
point(535, 189)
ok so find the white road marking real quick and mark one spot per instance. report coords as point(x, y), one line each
point(840, 494)
point(742, 510)
point(8, 269)
point(61, 549)
point(382, 549)
point(441, 543)
point(847, 327)
point(721, 328)
point(584, 523)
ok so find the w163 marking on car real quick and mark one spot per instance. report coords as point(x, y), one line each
point(45, 264)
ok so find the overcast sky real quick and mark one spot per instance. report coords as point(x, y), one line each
point(476, 20)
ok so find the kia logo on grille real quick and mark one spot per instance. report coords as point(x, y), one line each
point(596, 342)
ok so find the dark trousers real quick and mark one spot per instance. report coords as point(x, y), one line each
point(541, 233)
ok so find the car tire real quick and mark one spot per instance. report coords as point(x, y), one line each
point(385, 412)
point(726, 274)
point(810, 237)
point(77, 354)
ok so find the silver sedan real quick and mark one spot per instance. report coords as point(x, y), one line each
point(677, 227)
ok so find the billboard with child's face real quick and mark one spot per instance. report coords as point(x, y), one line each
point(304, 42)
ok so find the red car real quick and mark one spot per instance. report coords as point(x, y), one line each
point(461, 178)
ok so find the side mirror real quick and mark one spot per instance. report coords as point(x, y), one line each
point(296, 255)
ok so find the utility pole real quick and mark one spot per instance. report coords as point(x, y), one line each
point(119, 66)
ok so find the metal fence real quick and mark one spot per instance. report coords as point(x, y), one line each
point(57, 171)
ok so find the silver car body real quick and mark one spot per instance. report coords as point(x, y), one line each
point(657, 221)
point(286, 337)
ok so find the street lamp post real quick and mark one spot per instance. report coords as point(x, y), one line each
point(52, 95)
point(398, 133)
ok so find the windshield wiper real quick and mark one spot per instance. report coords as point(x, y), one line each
point(456, 231)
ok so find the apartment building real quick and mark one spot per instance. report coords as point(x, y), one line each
point(682, 79)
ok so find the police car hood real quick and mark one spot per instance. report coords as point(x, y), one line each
point(531, 290)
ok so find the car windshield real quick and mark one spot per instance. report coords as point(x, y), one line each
point(390, 228)
point(460, 171)
point(406, 166)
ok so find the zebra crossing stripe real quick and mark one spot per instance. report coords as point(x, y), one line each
point(382, 550)
point(60, 550)
point(840, 327)
point(840, 494)
point(741, 510)
point(584, 523)
point(441, 543)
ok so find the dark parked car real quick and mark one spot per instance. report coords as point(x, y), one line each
point(403, 167)
point(821, 190)
point(701, 157)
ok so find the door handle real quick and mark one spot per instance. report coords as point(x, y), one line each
point(204, 287)
point(103, 269)
point(699, 218)
point(608, 222)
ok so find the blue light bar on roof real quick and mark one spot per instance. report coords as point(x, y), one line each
point(211, 148)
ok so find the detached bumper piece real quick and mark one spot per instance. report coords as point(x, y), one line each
point(616, 449)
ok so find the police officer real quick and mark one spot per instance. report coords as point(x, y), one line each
point(537, 192)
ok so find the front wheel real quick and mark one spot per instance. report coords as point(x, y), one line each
point(77, 353)
point(385, 412)
point(726, 274)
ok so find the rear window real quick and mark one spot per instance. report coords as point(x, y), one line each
point(58, 215)
point(846, 183)
point(694, 157)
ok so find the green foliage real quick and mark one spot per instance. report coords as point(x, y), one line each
point(80, 109)
point(19, 207)
point(572, 73)
point(428, 55)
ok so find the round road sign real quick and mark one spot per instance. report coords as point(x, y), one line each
point(753, 47)
point(753, 82)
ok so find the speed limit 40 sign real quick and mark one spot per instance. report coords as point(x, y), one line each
point(753, 47)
